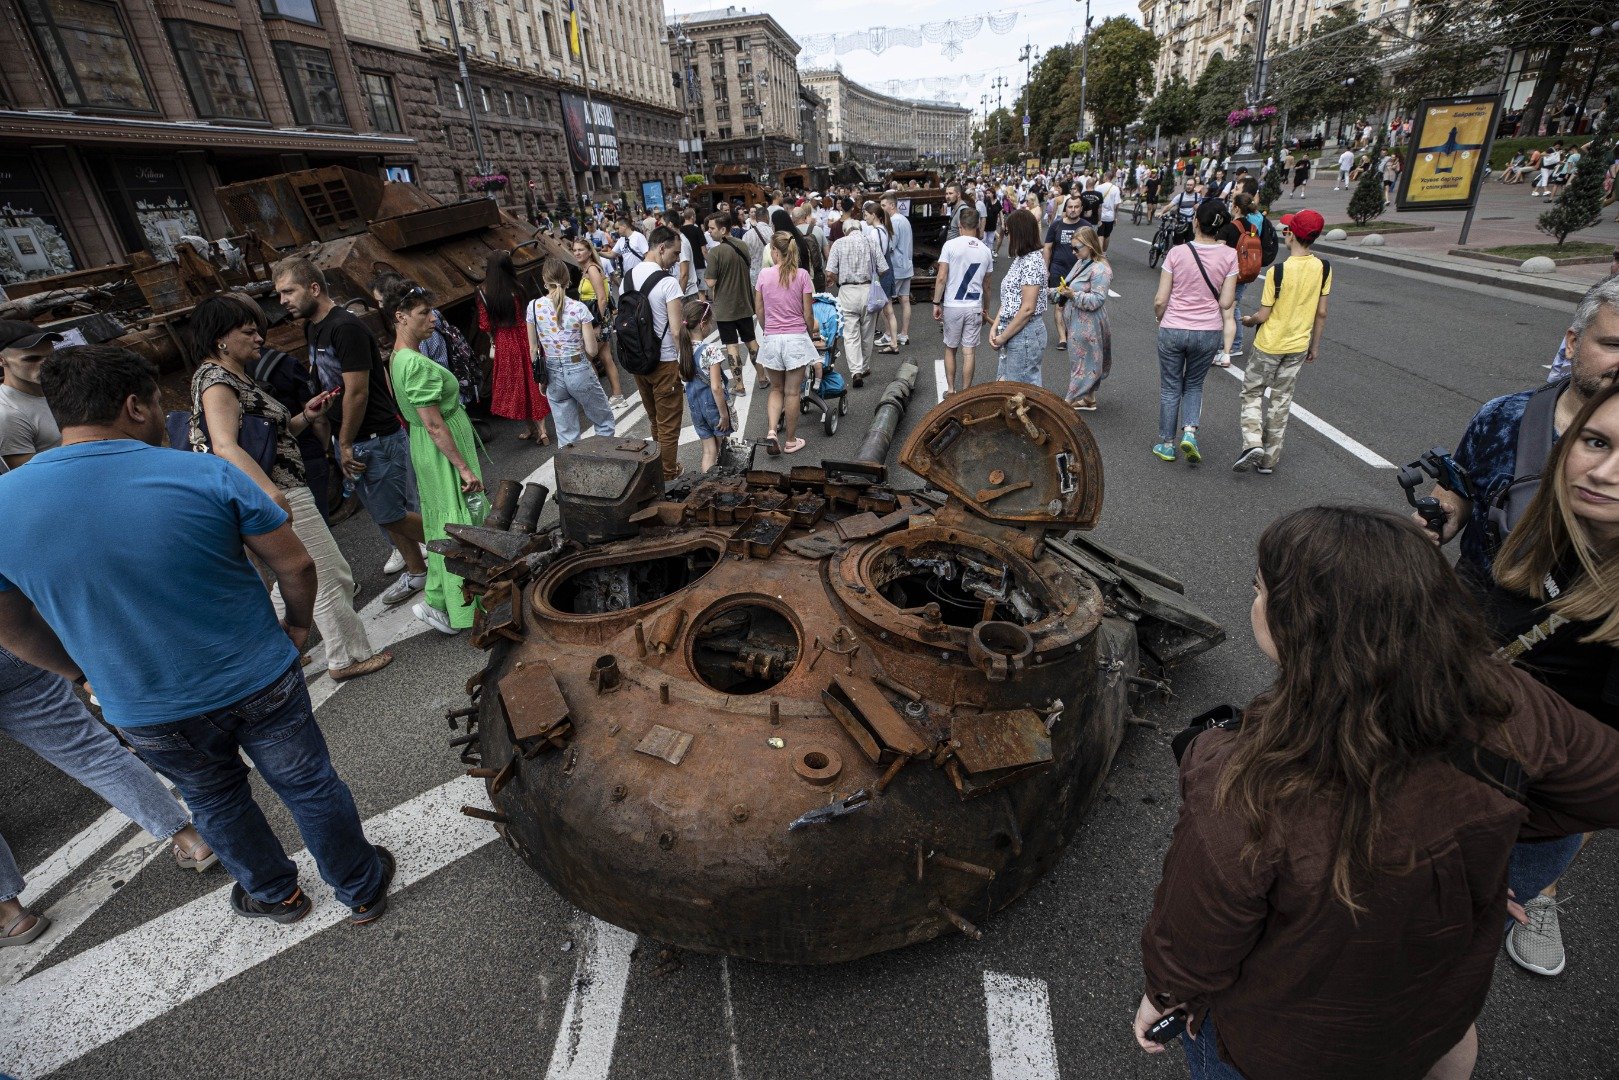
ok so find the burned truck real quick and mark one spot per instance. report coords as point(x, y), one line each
point(806, 716)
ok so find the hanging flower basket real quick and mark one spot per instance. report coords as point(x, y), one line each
point(1239, 117)
point(488, 182)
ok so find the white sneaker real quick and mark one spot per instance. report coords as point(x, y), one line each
point(433, 617)
point(395, 563)
point(1538, 947)
point(407, 586)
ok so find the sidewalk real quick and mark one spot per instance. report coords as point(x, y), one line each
point(1506, 214)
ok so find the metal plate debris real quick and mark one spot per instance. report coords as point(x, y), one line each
point(666, 743)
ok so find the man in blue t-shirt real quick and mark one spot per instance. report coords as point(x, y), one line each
point(123, 565)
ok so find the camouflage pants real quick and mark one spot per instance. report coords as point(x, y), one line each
point(1264, 423)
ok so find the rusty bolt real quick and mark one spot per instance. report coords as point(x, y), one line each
point(663, 693)
point(739, 813)
point(996, 476)
point(619, 792)
point(775, 713)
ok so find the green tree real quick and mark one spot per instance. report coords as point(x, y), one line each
point(1561, 27)
point(1222, 87)
point(1580, 204)
point(1367, 201)
point(1053, 120)
point(1000, 138)
point(1173, 110)
point(1120, 75)
point(1448, 56)
point(1337, 70)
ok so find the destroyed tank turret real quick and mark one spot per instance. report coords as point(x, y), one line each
point(803, 717)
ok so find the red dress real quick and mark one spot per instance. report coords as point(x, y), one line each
point(516, 395)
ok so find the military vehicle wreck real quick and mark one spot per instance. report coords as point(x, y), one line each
point(803, 717)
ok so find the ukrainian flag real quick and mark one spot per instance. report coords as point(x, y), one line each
point(573, 27)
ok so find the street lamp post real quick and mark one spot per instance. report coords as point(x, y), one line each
point(764, 83)
point(1256, 93)
point(1027, 56)
point(685, 44)
point(1084, 66)
point(466, 88)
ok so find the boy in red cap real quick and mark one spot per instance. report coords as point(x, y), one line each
point(1292, 311)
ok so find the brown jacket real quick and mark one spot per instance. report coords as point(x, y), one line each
point(1300, 988)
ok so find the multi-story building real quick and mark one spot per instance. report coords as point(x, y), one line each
point(561, 126)
point(876, 129)
point(120, 118)
point(1193, 32)
point(740, 73)
point(943, 130)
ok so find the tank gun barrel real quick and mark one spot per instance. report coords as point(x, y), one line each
point(890, 407)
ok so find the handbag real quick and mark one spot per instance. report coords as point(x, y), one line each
point(256, 435)
point(876, 298)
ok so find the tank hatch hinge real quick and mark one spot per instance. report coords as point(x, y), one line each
point(871, 721)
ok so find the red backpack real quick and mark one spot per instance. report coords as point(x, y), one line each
point(1250, 253)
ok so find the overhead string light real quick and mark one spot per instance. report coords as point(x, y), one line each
point(948, 34)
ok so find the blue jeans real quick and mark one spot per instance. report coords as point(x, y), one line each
point(1021, 357)
point(40, 711)
point(573, 389)
point(386, 488)
point(1203, 1055)
point(1535, 866)
point(276, 726)
point(1184, 357)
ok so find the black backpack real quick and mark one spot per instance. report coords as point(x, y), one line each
point(640, 346)
point(1269, 243)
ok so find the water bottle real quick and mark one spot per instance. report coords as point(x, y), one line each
point(478, 507)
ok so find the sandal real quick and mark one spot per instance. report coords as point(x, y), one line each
point(794, 446)
point(891, 350)
point(772, 446)
point(10, 936)
point(192, 861)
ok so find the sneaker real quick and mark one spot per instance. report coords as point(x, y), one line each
point(1538, 947)
point(1248, 459)
point(905, 339)
point(407, 586)
point(1165, 451)
point(1062, 345)
point(433, 617)
point(1189, 446)
point(395, 563)
point(368, 666)
point(881, 340)
point(289, 910)
point(616, 401)
point(372, 910)
point(1264, 470)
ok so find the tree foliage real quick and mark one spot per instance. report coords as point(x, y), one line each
point(1173, 110)
point(1335, 72)
point(1448, 57)
point(1053, 119)
point(1120, 73)
point(1222, 87)
point(1559, 25)
point(1580, 204)
point(1000, 138)
point(1367, 201)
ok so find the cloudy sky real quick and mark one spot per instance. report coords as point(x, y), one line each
point(1042, 22)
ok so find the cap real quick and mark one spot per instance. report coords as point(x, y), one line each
point(16, 334)
point(1305, 224)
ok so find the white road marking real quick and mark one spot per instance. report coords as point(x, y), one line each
point(70, 856)
point(939, 381)
point(1354, 446)
point(1114, 296)
point(107, 991)
point(84, 899)
point(730, 1017)
point(1021, 1046)
point(584, 1046)
point(1138, 240)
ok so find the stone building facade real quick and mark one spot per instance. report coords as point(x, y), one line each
point(741, 70)
point(876, 129)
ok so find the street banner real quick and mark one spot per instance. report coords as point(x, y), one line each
point(591, 134)
point(1444, 164)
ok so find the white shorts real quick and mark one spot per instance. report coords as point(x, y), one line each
point(787, 352)
point(961, 327)
point(902, 289)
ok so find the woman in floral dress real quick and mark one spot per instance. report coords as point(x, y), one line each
point(1090, 342)
point(516, 395)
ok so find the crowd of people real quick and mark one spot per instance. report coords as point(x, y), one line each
point(1351, 847)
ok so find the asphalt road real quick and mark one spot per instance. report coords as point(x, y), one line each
point(480, 970)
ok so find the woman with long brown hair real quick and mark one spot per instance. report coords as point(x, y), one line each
point(516, 395)
point(1554, 608)
point(1090, 339)
point(782, 298)
point(595, 294)
point(1334, 891)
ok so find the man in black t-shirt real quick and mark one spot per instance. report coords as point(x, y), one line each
point(372, 448)
point(1060, 255)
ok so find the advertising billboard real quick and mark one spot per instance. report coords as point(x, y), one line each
point(592, 135)
point(1444, 164)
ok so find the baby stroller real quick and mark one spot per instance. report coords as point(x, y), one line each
point(825, 388)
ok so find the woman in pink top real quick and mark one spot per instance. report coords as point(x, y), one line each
point(1196, 290)
point(781, 297)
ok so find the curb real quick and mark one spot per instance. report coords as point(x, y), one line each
point(1537, 286)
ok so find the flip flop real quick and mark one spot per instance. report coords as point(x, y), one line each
point(9, 939)
point(794, 447)
point(191, 862)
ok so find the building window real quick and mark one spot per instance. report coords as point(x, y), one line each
point(88, 52)
point(716, 48)
point(725, 133)
point(744, 67)
point(483, 99)
point(550, 33)
point(302, 10)
point(215, 68)
point(509, 108)
point(379, 97)
point(528, 106)
point(742, 43)
point(311, 85)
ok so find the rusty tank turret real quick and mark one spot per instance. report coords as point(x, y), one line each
point(803, 717)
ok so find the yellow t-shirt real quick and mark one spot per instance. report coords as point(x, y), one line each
point(587, 291)
point(1292, 315)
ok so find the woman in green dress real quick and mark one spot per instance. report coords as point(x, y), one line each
point(443, 448)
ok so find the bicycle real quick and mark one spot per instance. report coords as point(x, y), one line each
point(1137, 210)
point(1172, 230)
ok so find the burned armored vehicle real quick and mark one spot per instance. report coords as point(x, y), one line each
point(806, 716)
